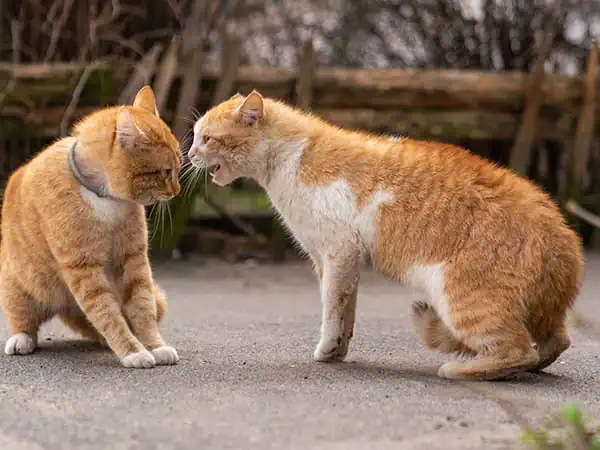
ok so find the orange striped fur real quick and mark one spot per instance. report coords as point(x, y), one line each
point(492, 251)
point(70, 253)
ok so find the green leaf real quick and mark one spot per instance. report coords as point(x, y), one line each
point(573, 415)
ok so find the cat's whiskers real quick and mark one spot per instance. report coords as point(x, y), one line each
point(161, 208)
point(187, 178)
point(168, 208)
point(192, 180)
point(196, 114)
point(153, 220)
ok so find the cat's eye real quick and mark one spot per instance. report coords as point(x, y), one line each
point(205, 139)
point(167, 172)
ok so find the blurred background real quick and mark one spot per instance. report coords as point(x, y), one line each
point(511, 80)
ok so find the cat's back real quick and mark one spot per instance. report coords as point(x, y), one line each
point(435, 173)
point(449, 202)
point(44, 174)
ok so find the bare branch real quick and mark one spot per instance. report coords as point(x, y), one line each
point(57, 29)
point(76, 96)
point(142, 74)
point(582, 213)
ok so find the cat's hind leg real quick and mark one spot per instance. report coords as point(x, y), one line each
point(551, 348)
point(24, 317)
point(434, 333)
point(502, 343)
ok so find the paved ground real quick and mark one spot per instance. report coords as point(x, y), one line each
point(246, 380)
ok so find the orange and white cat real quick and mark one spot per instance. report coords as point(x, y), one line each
point(74, 234)
point(493, 252)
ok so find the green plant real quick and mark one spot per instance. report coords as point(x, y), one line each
point(565, 430)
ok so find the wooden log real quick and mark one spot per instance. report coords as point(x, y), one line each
point(442, 125)
point(447, 89)
point(520, 156)
point(448, 126)
point(364, 88)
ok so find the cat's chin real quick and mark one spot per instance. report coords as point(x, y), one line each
point(222, 175)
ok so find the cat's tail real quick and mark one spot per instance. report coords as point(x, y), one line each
point(433, 331)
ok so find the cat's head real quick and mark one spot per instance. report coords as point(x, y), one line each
point(144, 159)
point(228, 138)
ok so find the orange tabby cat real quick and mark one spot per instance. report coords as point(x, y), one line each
point(499, 263)
point(74, 234)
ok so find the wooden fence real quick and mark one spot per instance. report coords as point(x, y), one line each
point(514, 110)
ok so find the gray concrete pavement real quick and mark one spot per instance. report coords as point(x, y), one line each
point(246, 380)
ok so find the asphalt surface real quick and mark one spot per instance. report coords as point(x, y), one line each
point(246, 380)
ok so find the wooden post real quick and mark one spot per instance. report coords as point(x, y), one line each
point(520, 156)
point(2, 6)
point(584, 131)
point(166, 74)
point(304, 81)
point(585, 126)
point(192, 75)
point(230, 61)
point(578, 164)
point(15, 28)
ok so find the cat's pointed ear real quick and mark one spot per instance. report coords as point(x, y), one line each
point(128, 132)
point(145, 99)
point(236, 95)
point(252, 110)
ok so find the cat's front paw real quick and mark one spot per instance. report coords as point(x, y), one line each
point(20, 344)
point(139, 360)
point(331, 350)
point(165, 355)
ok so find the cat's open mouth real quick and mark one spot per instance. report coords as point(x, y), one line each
point(222, 174)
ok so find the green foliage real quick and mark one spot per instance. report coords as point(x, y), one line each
point(168, 220)
point(565, 430)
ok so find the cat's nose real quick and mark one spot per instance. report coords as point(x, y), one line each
point(193, 152)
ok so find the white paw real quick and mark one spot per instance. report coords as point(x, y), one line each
point(165, 355)
point(330, 350)
point(139, 360)
point(20, 344)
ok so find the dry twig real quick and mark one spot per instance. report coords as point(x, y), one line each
point(57, 29)
point(142, 74)
point(243, 226)
point(76, 96)
point(582, 213)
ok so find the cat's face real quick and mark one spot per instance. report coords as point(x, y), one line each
point(146, 157)
point(227, 138)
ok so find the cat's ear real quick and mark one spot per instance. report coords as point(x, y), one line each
point(128, 133)
point(236, 95)
point(145, 99)
point(252, 110)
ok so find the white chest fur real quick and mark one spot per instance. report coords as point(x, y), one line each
point(323, 217)
point(106, 210)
